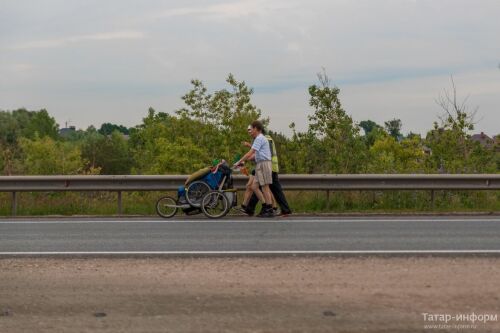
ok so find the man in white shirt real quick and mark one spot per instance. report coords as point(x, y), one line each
point(263, 169)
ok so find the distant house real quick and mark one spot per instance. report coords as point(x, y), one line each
point(426, 150)
point(484, 140)
point(126, 137)
point(64, 132)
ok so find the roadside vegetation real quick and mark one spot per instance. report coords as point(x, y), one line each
point(142, 203)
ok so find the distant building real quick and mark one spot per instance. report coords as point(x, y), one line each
point(64, 132)
point(126, 137)
point(484, 140)
point(426, 150)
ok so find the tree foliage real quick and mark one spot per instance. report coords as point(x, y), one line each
point(108, 153)
point(387, 155)
point(46, 156)
point(393, 127)
point(109, 128)
point(453, 151)
point(332, 142)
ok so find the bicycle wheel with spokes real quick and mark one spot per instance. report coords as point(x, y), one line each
point(215, 205)
point(166, 207)
point(196, 191)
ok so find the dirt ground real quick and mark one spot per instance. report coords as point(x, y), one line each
point(315, 294)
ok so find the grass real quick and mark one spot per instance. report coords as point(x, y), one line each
point(395, 201)
point(143, 203)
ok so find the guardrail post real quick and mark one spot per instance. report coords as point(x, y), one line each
point(14, 204)
point(432, 199)
point(120, 207)
point(328, 199)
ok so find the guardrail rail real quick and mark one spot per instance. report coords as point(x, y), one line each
point(315, 182)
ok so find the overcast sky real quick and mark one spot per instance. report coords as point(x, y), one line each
point(94, 61)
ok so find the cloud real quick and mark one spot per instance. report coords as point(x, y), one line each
point(390, 58)
point(223, 10)
point(227, 10)
point(103, 36)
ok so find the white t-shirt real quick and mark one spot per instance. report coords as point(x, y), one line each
point(262, 149)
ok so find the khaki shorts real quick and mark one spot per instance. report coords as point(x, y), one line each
point(264, 172)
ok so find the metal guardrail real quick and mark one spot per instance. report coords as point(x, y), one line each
point(320, 182)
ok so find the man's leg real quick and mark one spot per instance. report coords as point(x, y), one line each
point(252, 203)
point(279, 195)
point(258, 180)
point(268, 196)
point(250, 200)
point(257, 191)
point(248, 191)
point(267, 204)
point(274, 200)
point(265, 179)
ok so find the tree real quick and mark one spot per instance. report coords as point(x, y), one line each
point(182, 156)
point(372, 130)
point(42, 124)
point(332, 134)
point(453, 151)
point(19, 124)
point(108, 153)
point(108, 128)
point(9, 163)
point(496, 150)
point(210, 126)
point(90, 144)
point(228, 111)
point(9, 129)
point(27, 124)
point(387, 155)
point(298, 156)
point(45, 156)
point(147, 142)
point(393, 127)
point(368, 126)
point(457, 115)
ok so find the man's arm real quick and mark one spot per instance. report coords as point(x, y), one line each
point(246, 157)
point(249, 145)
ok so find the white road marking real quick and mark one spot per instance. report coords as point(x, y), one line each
point(258, 221)
point(254, 252)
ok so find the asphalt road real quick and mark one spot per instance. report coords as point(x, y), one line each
point(298, 235)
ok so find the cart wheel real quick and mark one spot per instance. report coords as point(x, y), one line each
point(196, 191)
point(166, 207)
point(215, 205)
